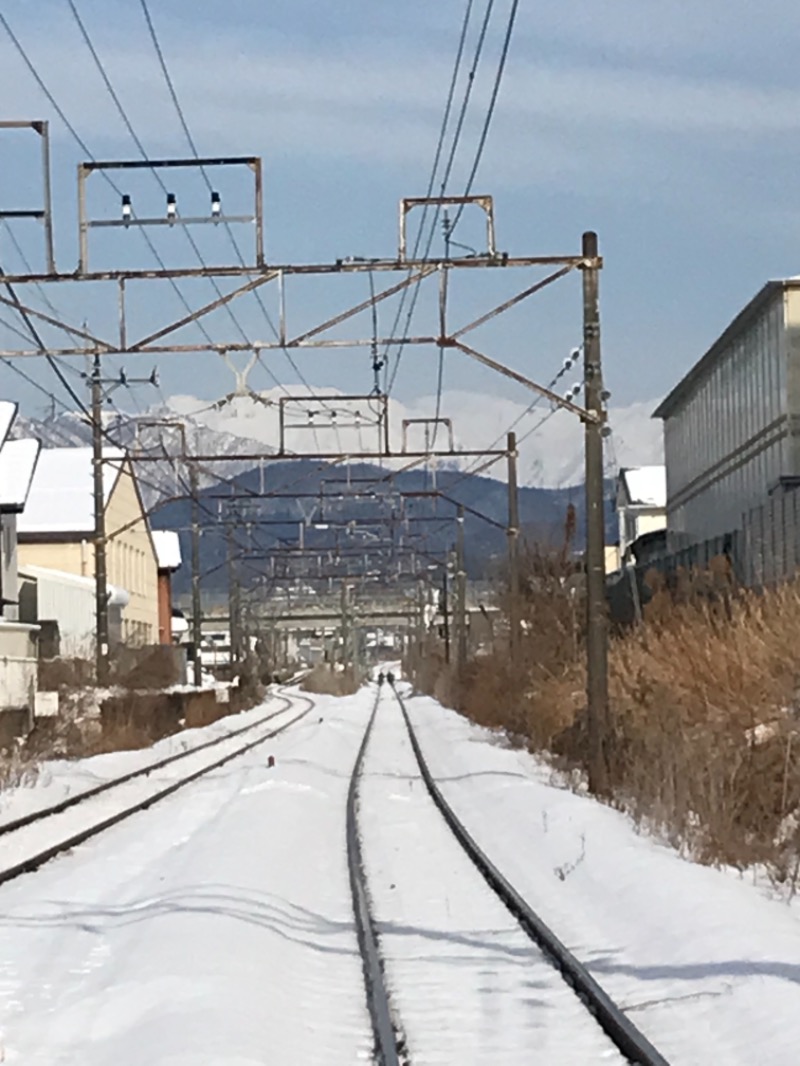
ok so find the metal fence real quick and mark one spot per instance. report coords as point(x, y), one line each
point(764, 551)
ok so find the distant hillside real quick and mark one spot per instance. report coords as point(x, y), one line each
point(542, 511)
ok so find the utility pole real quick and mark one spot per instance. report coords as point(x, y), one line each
point(513, 547)
point(596, 617)
point(101, 388)
point(446, 615)
point(461, 593)
point(197, 620)
point(420, 621)
point(234, 602)
point(345, 627)
point(100, 560)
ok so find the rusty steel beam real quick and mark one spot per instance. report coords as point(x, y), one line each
point(220, 348)
point(339, 267)
point(194, 316)
point(276, 457)
point(559, 401)
point(370, 302)
point(101, 345)
point(500, 308)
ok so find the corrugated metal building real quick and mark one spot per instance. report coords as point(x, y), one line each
point(732, 425)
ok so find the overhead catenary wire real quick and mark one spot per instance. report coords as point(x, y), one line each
point(90, 155)
point(491, 109)
point(143, 152)
point(162, 61)
point(448, 167)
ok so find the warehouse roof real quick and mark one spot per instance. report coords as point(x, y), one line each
point(168, 549)
point(745, 318)
point(645, 486)
point(61, 496)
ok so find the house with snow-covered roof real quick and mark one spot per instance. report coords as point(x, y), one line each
point(18, 653)
point(641, 502)
point(168, 558)
point(56, 532)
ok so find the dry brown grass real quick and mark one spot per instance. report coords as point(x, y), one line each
point(703, 738)
point(323, 681)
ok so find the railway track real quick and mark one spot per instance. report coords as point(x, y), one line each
point(25, 843)
point(417, 895)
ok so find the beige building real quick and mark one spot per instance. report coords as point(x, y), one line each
point(57, 529)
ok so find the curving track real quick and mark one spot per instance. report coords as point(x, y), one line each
point(457, 966)
point(28, 842)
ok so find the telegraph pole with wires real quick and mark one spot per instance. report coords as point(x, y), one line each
point(197, 607)
point(100, 571)
point(461, 594)
point(513, 548)
point(101, 389)
point(596, 615)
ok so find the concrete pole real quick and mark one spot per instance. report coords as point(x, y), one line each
point(100, 557)
point(461, 593)
point(596, 616)
point(234, 602)
point(345, 627)
point(197, 605)
point(446, 615)
point(513, 548)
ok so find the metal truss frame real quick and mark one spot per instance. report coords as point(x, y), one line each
point(251, 277)
point(43, 214)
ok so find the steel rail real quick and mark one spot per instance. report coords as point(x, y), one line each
point(97, 790)
point(622, 1032)
point(388, 1044)
point(33, 862)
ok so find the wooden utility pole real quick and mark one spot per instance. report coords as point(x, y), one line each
point(461, 594)
point(100, 557)
point(513, 547)
point(197, 607)
point(596, 616)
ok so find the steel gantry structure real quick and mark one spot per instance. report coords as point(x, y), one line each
point(117, 293)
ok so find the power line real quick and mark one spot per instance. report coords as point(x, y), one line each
point(432, 179)
point(193, 147)
point(490, 113)
point(453, 148)
point(90, 155)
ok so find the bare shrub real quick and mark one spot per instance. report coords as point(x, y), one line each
point(324, 681)
point(18, 767)
point(703, 741)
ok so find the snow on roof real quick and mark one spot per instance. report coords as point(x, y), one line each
point(46, 575)
point(17, 464)
point(61, 494)
point(646, 485)
point(168, 549)
point(8, 412)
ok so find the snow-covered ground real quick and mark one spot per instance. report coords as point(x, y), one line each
point(214, 928)
point(703, 961)
point(466, 984)
point(58, 779)
point(217, 926)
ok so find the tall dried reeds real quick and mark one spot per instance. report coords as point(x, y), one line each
point(702, 741)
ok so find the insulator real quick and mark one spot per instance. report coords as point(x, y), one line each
point(127, 209)
point(216, 205)
point(172, 205)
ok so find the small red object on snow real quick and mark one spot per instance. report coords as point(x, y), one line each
point(271, 761)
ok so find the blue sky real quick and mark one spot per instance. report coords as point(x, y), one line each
point(670, 129)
